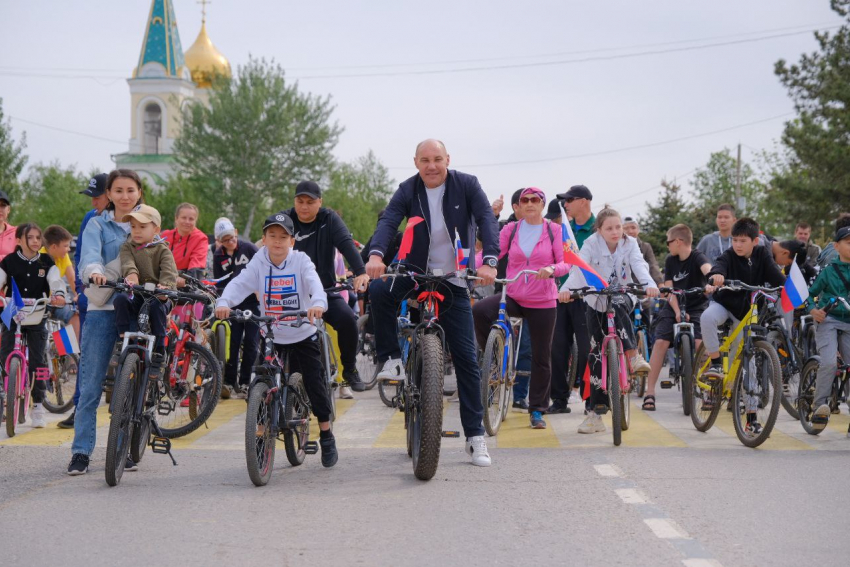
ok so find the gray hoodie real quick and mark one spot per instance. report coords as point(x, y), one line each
point(292, 285)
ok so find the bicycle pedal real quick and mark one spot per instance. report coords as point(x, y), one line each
point(601, 409)
point(311, 447)
point(292, 423)
point(165, 407)
point(451, 434)
point(160, 445)
point(666, 384)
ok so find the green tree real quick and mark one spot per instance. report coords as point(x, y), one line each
point(358, 191)
point(254, 141)
point(12, 158)
point(182, 189)
point(669, 210)
point(812, 180)
point(50, 194)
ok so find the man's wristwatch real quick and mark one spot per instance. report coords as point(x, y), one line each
point(492, 262)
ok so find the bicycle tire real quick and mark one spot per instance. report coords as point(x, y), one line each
point(295, 440)
point(790, 382)
point(367, 355)
point(63, 385)
point(220, 343)
point(806, 397)
point(703, 419)
point(643, 349)
point(613, 385)
point(141, 438)
point(493, 381)
point(811, 345)
point(259, 449)
point(200, 408)
point(686, 364)
point(572, 369)
point(625, 409)
point(772, 381)
point(121, 420)
point(428, 414)
point(24, 396)
point(12, 405)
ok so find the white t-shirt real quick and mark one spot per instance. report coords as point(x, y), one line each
point(441, 255)
point(528, 236)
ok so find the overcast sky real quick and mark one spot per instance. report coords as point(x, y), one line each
point(526, 105)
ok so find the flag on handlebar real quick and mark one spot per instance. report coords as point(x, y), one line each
point(66, 341)
point(462, 255)
point(795, 292)
point(571, 255)
point(407, 238)
point(13, 308)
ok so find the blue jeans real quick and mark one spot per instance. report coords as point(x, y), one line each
point(99, 336)
point(82, 307)
point(523, 363)
point(460, 334)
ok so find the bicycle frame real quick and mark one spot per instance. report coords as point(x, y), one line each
point(625, 369)
point(23, 388)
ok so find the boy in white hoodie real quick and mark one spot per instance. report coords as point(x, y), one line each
point(286, 280)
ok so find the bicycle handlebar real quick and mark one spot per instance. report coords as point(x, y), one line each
point(516, 277)
point(675, 291)
point(737, 285)
point(633, 288)
point(248, 315)
point(150, 289)
point(833, 303)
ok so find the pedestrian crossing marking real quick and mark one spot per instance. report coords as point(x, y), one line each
point(342, 406)
point(51, 436)
point(646, 432)
point(778, 441)
point(839, 422)
point(225, 411)
point(394, 436)
point(516, 432)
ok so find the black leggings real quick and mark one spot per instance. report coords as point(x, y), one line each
point(306, 357)
point(342, 318)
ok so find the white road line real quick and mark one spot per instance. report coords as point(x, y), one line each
point(665, 528)
point(609, 471)
point(700, 563)
point(631, 496)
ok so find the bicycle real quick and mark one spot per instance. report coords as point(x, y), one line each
point(138, 396)
point(219, 331)
point(277, 404)
point(367, 350)
point(17, 384)
point(684, 345)
point(790, 357)
point(390, 390)
point(62, 382)
point(752, 379)
point(421, 391)
point(808, 382)
point(499, 362)
point(643, 345)
point(803, 334)
point(617, 376)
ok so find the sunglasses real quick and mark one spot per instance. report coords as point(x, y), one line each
point(669, 242)
point(532, 200)
point(571, 199)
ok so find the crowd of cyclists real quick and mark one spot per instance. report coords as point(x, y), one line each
point(453, 229)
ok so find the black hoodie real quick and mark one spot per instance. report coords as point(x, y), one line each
point(759, 269)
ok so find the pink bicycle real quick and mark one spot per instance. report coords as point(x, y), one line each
point(16, 379)
point(616, 370)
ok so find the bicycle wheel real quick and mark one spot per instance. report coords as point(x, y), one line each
point(811, 345)
point(367, 354)
point(121, 421)
point(427, 415)
point(202, 389)
point(220, 344)
point(59, 396)
point(625, 409)
point(790, 379)
point(493, 381)
point(806, 396)
point(686, 366)
point(613, 385)
point(572, 370)
point(758, 389)
point(12, 405)
point(295, 438)
point(705, 392)
point(643, 349)
point(259, 437)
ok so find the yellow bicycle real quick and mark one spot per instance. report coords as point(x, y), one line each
point(752, 376)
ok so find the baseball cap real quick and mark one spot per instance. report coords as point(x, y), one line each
point(223, 227)
point(97, 186)
point(842, 233)
point(308, 188)
point(282, 220)
point(515, 196)
point(629, 220)
point(577, 192)
point(4, 197)
point(144, 214)
point(554, 210)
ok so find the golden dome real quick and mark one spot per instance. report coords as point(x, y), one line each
point(204, 60)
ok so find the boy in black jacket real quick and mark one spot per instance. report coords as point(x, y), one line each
point(751, 264)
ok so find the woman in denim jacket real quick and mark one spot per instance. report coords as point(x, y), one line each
point(102, 238)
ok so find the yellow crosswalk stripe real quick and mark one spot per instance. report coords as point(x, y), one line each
point(516, 433)
point(777, 441)
point(342, 406)
point(394, 435)
point(646, 432)
point(224, 412)
point(52, 436)
point(839, 422)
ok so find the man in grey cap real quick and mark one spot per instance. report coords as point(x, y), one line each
point(631, 227)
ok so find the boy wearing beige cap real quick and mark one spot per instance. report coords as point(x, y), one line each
point(145, 258)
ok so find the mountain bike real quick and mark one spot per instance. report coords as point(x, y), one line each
point(63, 368)
point(499, 362)
point(367, 350)
point(683, 345)
point(390, 390)
point(644, 347)
point(752, 375)
point(218, 336)
point(803, 334)
point(790, 357)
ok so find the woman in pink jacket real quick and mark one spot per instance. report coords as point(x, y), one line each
point(533, 243)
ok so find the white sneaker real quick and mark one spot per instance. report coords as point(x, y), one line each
point(820, 417)
point(477, 447)
point(592, 424)
point(345, 392)
point(639, 365)
point(393, 369)
point(241, 392)
point(455, 397)
point(38, 417)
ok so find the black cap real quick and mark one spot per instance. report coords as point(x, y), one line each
point(5, 197)
point(577, 192)
point(840, 234)
point(97, 186)
point(309, 188)
point(282, 220)
point(554, 210)
point(516, 195)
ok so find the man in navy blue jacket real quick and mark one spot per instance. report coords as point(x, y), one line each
point(450, 202)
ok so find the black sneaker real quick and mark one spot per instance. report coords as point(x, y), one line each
point(79, 465)
point(353, 379)
point(716, 368)
point(520, 405)
point(68, 422)
point(329, 453)
point(558, 406)
point(129, 465)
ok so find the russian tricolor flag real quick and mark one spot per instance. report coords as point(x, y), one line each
point(796, 292)
point(571, 255)
point(66, 341)
point(462, 257)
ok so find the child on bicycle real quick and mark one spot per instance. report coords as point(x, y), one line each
point(35, 276)
point(57, 243)
point(615, 256)
point(145, 258)
point(286, 280)
point(685, 268)
point(833, 330)
point(751, 264)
